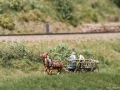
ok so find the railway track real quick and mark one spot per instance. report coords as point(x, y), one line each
point(60, 36)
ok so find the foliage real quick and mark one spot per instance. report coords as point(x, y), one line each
point(66, 12)
point(60, 52)
point(17, 51)
point(19, 5)
point(95, 5)
point(65, 8)
point(19, 56)
point(16, 4)
point(7, 22)
point(3, 6)
point(87, 54)
point(13, 51)
point(88, 15)
point(32, 15)
point(117, 2)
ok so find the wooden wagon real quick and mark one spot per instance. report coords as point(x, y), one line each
point(82, 65)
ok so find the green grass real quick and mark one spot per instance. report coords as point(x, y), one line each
point(82, 81)
point(28, 74)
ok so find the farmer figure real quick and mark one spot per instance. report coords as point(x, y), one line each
point(81, 57)
point(72, 57)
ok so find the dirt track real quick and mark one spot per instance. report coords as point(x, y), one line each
point(34, 38)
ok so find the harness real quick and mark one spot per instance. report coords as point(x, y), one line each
point(49, 65)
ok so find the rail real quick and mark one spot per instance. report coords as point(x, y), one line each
point(57, 33)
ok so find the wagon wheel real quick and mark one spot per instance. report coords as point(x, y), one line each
point(77, 68)
point(65, 69)
point(87, 67)
point(95, 69)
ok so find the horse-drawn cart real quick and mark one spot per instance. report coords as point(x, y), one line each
point(82, 65)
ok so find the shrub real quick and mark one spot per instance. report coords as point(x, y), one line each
point(117, 2)
point(64, 8)
point(7, 22)
point(75, 20)
point(61, 52)
point(17, 51)
point(66, 12)
point(88, 54)
point(87, 15)
point(3, 6)
point(14, 51)
point(95, 5)
point(19, 5)
point(32, 15)
point(16, 4)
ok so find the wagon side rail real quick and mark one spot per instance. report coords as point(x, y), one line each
point(86, 64)
point(83, 61)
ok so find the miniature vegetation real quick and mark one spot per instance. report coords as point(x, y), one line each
point(19, 55)
point(22, 68)
point(66, 11)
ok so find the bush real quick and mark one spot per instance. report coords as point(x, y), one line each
point(88, 54)
point(14, 51)
point(64, 8)
point(60, 52)
point(16, 4)
point(87, 15)
point(7, 22)
point(32, 15)
point(66, 12)
point(117, 2)
point(19, 5)
point(95, 5)
point(3, 6)
point(17, 51)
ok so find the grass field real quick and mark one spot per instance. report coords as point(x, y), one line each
point(25, 77)
point(73, 81)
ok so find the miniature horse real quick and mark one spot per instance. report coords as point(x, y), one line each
point(55, 64)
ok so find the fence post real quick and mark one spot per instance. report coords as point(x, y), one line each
point(47, 28)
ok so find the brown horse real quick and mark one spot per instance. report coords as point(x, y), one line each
point(55, 64)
